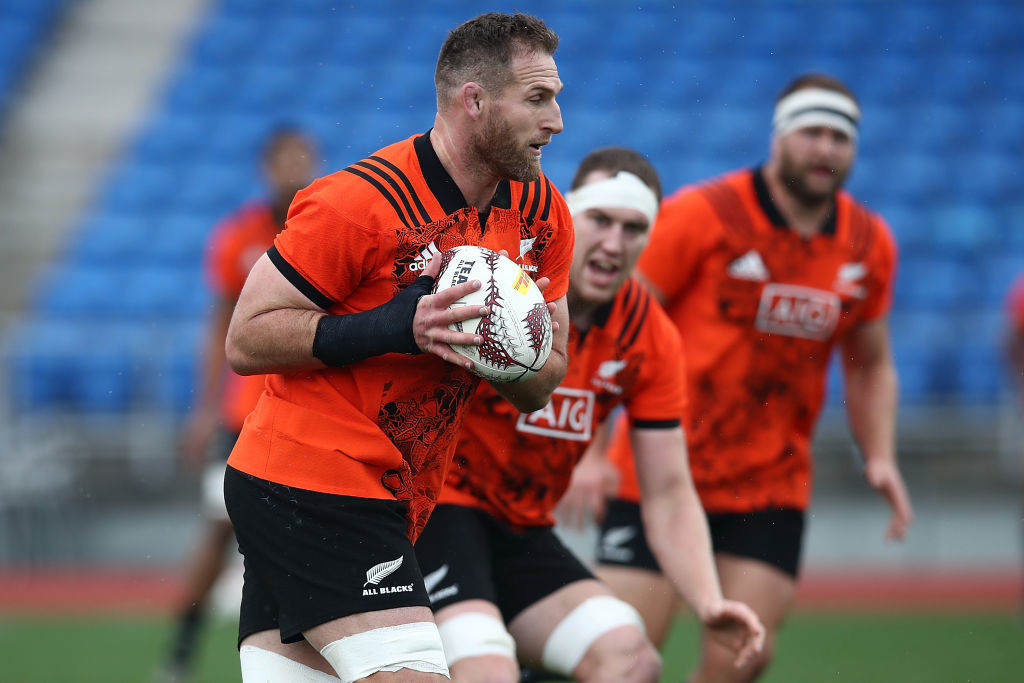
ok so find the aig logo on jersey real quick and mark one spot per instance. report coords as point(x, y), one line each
point(569, 415)
point(797, 311)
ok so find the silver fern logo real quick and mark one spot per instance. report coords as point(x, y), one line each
point(381, 571)
point(613, 544)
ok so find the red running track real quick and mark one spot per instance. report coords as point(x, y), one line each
point(154, 591)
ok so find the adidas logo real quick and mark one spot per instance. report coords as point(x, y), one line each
point(423, 258)
point(749, 267)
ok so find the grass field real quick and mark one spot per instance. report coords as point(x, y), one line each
point(814, 647)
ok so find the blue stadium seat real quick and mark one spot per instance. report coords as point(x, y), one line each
point(937, 281)
point(81, 292)
point(962, 227)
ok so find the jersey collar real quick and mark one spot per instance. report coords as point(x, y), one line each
point(443, 187)
point(764, 198)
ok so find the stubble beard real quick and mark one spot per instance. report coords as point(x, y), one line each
point(498, 151)
point(793, 178)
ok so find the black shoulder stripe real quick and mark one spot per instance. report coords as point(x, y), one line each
point(546, 211)
point(380, 173)
point(643, 306)
point(524, 197)
point(532, 214)
point(655, 424)
point(860, 230)
point(424, 216)
point(384, 193)
point(629, 304)
point(729, 208)
point(300, 283)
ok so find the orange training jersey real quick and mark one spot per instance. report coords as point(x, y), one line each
point(385, 427)
point(759, 309)
point(516, 466)
point(235, 246)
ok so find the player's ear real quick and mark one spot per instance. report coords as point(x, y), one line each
point(471, 98)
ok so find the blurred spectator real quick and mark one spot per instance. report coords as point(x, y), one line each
point(289, 161)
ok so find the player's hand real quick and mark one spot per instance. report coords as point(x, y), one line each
point(734, 625)
point(430, 323)
point(884, 476)
point(594, 479)
point(542, 284)
point(195, 438)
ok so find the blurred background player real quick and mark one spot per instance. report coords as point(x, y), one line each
point(491, 557)
point(288, 165)
point(764, 271)
point(338, 467)
point(1014, 348)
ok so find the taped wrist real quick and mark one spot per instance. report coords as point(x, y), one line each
point(344, 339)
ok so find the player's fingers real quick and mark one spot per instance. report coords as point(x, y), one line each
point(600, 509)
point(433, 266)
point(449, 355)
point(446, 297)
point(456, 314)
point(902, 513)
point(542, 283)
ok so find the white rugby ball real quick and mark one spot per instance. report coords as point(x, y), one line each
point(517, 332)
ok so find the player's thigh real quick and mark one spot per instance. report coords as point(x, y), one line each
point(649, 592)
point(768, 590)
point(582, 627)
point(627, 564)
point(301, 652)
point(758, 556)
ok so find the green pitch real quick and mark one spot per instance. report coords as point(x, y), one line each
point(812, 648)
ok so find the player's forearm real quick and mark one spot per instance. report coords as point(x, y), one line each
point(677, 531)
point(871, 395)
point(273, 341)
point(534, 393)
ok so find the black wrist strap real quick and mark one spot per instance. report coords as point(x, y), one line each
point(344, 339)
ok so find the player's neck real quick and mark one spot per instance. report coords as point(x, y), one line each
point(805, 219)
point(476, 185)
point(581, 312)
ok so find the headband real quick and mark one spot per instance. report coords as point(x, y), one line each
point(816, 107)
point(624, 190)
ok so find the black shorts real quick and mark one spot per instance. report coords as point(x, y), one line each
point(772, 536)
point(314, 557)
point(466, 554)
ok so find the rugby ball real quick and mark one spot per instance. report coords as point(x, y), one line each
point(517, 332)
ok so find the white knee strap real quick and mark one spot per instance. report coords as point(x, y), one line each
point(415, 646)
point(472, 634)
point(574, 635)
point(263, 666)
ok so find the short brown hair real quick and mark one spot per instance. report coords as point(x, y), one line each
point(482, 49)
point(817, 80)
point(615, 159)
